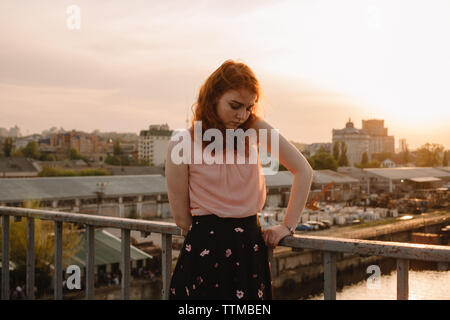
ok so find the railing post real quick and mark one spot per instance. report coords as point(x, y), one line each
point(5, 257)
point(90, 261)
point(402, 279)
point(125, 264)
point(58, 261)
point(30, 259)
point(329, 270)
point(166, 263)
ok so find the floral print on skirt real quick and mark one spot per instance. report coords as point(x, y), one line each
point(222, 259)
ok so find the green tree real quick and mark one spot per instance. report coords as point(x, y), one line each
point(322, 161)
point(372, 164)
point(365, 159)
point(343, 160)
point(112, 160)
point(43, 247)
point(47, 157)
point(8, 146)
point(382, 156)
point(31, 150)
point(429, 155)
point(75, 155)
point(117, 149)
point(336, 151)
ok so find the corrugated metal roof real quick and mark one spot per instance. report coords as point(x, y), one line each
point(280, 179)
point(425, 179)
point(59, 188)
point(327, 176)
point(107, 250)
point(408, 172)
point(285, 178)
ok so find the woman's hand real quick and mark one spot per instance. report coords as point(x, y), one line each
point(274, 234)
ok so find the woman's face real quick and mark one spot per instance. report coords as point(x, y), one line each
point(234, 107)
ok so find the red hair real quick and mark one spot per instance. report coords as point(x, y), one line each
point(230, 75)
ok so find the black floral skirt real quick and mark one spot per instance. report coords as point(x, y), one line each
point(222, 259)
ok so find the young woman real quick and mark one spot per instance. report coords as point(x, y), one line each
point(224, 255)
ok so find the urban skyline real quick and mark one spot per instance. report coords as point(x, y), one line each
point(143, 62)
point(398, 140)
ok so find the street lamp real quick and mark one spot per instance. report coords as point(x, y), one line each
point(100, 193)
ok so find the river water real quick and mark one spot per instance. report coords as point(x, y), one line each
point(423, 285)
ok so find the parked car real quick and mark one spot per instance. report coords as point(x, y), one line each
point(327, 223)
point(304, 227)
point(314, 224)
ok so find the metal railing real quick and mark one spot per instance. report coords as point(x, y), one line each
point(403, 252)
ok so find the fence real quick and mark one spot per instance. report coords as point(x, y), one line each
point(403, 252)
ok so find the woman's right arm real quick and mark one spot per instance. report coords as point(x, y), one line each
point(178, 190)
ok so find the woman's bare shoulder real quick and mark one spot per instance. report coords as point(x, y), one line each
point(259, 123)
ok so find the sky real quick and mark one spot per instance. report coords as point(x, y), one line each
point(136, 63)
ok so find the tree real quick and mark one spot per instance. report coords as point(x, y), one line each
point(382, 156)
point(372, 164)
point(322, 161)
point(43, 247)
point(75, 155)
point(112, 160)
point(336, 151)
point(8, 146)
point(405, 156)
point(365, 159)
point(343, 160)
point(445, 159)
point(429, 155)
point(117, 149)
point(31, 150)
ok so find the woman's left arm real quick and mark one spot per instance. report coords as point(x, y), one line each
point(296, 163)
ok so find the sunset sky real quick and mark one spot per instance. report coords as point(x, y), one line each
point(136, 63)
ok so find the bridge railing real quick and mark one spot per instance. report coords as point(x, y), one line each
point(403, 252)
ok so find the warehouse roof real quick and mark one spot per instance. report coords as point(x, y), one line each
point(107, 250)
point(408, 172)
point(327, 176)
point(280, 179)
point(60, 188)
point(285, 178)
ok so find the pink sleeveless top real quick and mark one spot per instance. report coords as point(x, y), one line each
point(226, 190)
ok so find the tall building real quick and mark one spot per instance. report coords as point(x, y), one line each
point(372, 138)
point(15, 132)
point(380, 141)
point(357, 141)
point(402, 145)
point(153, 144)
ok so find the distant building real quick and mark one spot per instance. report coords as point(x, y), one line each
point(153, 144)
point(357, 141)
point(372, 138)
point(402, 145)
point(15, 132)
point(380, 141)
point(3, 132)
point(23, 141)
point(88, 145)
